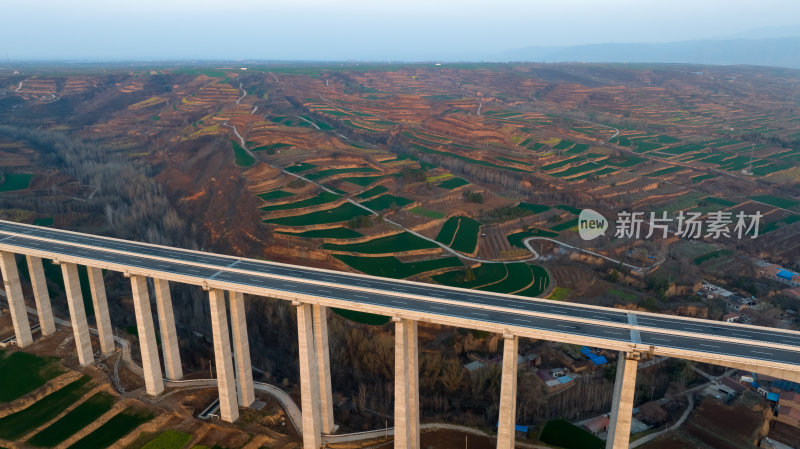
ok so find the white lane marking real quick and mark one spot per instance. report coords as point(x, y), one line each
point(708, 346)
point(660, 339)
point(479, 313)
point(436, 307)
point(564, 325)
point(761, 352)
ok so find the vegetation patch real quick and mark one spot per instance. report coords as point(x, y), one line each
point(535, 208)
point(668, 139)
point(448, 231)
point(777, 201)
point(701, 178)
point(38, 370)
point(44, 221)
point(563, 145)
point(114, 429)
point(629, 161)
point(387, 201)
point(773, 225)
point(559, 294)
point(363, 181)
point(452, 183)
point(241, 156)
point(80, 417)
point(466, 237)
point(565, 225)
point(300, 167)
point(391, 267)
point(713, 254)
point(541, 280)
point(625, 296)
point(375, 191)
point(429, 213)
point(332, 233)
point(578, 148)
point(170, 439)
point(484, 274)
point(665, 171)
point(10, 182)
point(572, 171)
point(274, 195)
point(564, 434)
point(519, 277)
point(273, 146)
point(323, 197)
point(561, 163)
point(17, 424)
point(684, 148)
point(395, 243)
point(344, 212)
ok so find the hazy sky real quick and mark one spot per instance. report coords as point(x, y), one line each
point(360, 29)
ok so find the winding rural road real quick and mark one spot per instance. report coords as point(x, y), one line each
point(374, 212)
point(527, 244)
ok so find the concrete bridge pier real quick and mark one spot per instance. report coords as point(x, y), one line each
point(507, 421)
point(241, 351)
point(40, 294)
point(228, 406)
point(309, 378)
point(406, 385)
point(101, 316)
point(320, 318)
point(619, 431)
point(16, 302)
point(77, 313)
point(166, 327)
point(153, 381)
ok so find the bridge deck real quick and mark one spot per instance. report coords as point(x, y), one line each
point(535, 318)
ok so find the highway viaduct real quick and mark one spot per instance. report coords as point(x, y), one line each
point(226, 279)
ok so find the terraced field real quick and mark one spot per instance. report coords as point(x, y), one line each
point(15, 181)
point(115, 428)
point(331, 233)
point(17, 424)
point(341, 213)
point(395, 243)
point(38, 371)
point(517, 278)
point(80, 417)
point(460, 233)
point(323, 197)
point(386, 201)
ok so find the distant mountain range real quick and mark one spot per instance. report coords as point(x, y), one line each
point(780, 51)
